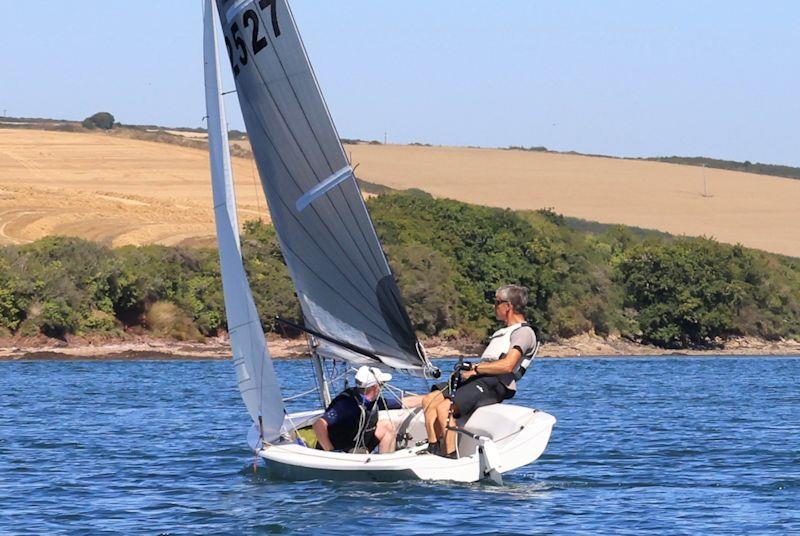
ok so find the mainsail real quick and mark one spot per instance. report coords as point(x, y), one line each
point(254, 371)
point(345, 287)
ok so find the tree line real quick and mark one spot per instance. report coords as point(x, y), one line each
point(447, 257)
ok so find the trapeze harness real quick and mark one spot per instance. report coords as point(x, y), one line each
point(500, 345)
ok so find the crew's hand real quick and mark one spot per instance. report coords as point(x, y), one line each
point(467, 374)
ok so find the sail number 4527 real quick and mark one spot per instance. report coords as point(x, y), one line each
point(258, 42)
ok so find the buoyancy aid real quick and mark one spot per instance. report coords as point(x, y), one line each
point(500, 344)
point(368, 420)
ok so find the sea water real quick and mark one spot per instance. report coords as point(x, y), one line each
point(675, 445)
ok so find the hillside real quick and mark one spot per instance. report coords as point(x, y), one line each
point(111, 189)
point(447, 257)
point(757, 211)
point(121, 191)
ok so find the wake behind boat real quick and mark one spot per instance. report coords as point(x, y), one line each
point(352, 309)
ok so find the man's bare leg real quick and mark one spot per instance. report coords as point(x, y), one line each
point(386, 436)
point(449, 435)
point(413, 401)
point(429, 404)
point(443, 417)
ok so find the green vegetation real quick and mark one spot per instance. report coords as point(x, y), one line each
point(446, 255)
point(533, 148)
point(746, 166)
point(101, 120)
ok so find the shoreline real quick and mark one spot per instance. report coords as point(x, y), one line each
point(587, 345)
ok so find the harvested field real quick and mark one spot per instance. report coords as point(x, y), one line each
point(757, 211)
point(114, 190)
point(125, 191)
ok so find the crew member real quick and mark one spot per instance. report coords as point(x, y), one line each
point(351, 420)
point(491, 380)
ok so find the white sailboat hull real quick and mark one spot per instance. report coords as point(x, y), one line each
point(519, 436)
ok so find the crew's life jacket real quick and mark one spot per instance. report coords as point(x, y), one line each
point(367, 422)
point(500, 345)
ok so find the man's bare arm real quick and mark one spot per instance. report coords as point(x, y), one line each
point(321, 430)
point(495, 368)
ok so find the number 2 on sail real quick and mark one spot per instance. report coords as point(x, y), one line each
point(258, 43)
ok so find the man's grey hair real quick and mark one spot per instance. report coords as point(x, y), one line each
point(516, 295)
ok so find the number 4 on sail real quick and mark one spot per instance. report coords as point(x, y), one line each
point(352, 309)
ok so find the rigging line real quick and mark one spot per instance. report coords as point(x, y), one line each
point(291, 421)
point(255, 184)
point(388, 411)
point(261, 367)
point(311, 236)
point(331, 167)
point(289, 211)
point(317, 386)
point(332, 340)
point(308, 392)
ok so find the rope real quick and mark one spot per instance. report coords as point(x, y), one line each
point(291, 423)
point(255, 184)
point(304, 393)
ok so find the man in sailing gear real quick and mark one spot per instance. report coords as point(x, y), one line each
point(351, 419)
point(494, 378)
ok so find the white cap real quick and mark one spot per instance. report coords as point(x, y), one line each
point(369, 376)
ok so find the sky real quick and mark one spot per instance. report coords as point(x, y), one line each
point(622, 78)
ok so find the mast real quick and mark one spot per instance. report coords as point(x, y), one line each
point(319, 372)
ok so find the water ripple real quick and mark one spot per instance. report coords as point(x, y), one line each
point(669, 445)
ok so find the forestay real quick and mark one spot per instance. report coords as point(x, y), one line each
point(344, 284)
point(255, 373)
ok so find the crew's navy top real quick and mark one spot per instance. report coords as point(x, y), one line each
point(343, 416)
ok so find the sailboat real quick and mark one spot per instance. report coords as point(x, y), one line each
point(352, 309)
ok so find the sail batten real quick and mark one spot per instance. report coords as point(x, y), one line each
point(311, 237)
point(293, 176)
point(344, 284)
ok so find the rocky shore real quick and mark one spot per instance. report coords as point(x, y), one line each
point(587, 345)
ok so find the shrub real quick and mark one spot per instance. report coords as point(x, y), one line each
point(206, 303)
point(273, 290)
point(11, 310)
point(446, 257)
point(100, 322)
point(428, 287)
point(168, 320)
point(102, 120)
point(687, 293)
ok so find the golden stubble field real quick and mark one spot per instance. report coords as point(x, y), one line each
point(121, 191)
point(115, 190)
point(757, 211)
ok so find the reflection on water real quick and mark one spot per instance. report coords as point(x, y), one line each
point(673, 445)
